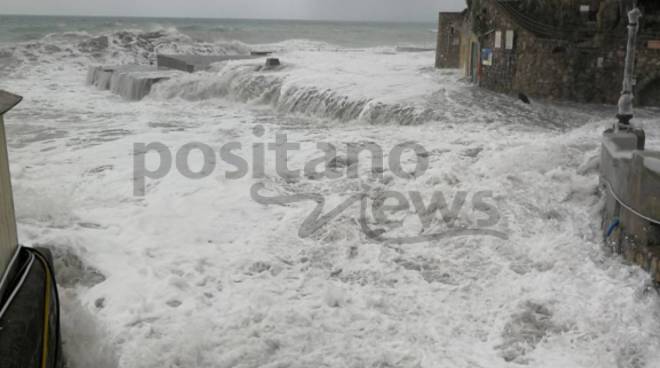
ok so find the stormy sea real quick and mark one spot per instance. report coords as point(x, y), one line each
point(203, 270)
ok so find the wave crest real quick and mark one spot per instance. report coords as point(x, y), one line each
point(250, 84)
point(117, 47)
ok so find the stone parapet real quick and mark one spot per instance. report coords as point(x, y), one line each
point(630, 177)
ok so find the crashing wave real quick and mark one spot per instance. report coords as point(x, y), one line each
point(250, 84)
point(118, 47)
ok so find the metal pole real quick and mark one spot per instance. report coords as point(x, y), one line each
point(626, 111)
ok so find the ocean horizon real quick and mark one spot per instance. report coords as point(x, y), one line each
point(18, 28)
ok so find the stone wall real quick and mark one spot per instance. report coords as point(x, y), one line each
point(499, 76)
point(648, 75)
point(589, 71)
point(543, 68)
point(449, 40)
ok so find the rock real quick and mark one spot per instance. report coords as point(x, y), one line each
point(523, 97)
point(272, 62)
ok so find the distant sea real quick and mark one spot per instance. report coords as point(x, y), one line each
point(20, 28)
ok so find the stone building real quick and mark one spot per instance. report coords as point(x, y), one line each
point(450, 27)
point(561, 49)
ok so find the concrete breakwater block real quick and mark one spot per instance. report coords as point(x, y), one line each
point(100, 76)
point(631, 179)
point(131, 82)
point(195, 63)
point(272, 62)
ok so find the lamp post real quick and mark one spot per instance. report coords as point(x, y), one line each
point(626, 111)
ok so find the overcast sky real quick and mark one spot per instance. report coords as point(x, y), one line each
point(398, 10)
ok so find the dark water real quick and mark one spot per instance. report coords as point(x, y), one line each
point(348, 34)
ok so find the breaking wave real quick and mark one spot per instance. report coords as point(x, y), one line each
point(116, 47)
point(250, 84)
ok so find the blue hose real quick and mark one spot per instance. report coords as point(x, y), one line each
point(615, 223)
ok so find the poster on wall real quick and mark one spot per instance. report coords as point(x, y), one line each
point(509, 40)
point(487, 57)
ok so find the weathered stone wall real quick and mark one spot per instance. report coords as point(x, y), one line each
point(449, 40)
point(543, 68)
point(590, 71)
point(648, 75)
point(499, 76)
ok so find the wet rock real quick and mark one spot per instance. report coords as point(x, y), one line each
point(523, 97)
point(272, 62)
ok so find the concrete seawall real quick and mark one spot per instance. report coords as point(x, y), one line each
point(630, 177)
point(131, 82)
point(196, 63)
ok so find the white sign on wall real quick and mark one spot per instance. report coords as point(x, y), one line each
point(498, 39)
point(509, 40)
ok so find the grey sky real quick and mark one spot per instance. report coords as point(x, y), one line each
point(401, 10)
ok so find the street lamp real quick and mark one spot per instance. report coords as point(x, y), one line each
point(626, 111)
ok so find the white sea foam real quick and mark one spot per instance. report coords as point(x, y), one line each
point(315, 83)
point(196, 274)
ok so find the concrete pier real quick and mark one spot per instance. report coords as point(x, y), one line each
point(134, 82)
point(131, 82)
point(195, 63)
point(630, 177)
point(8, 238)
